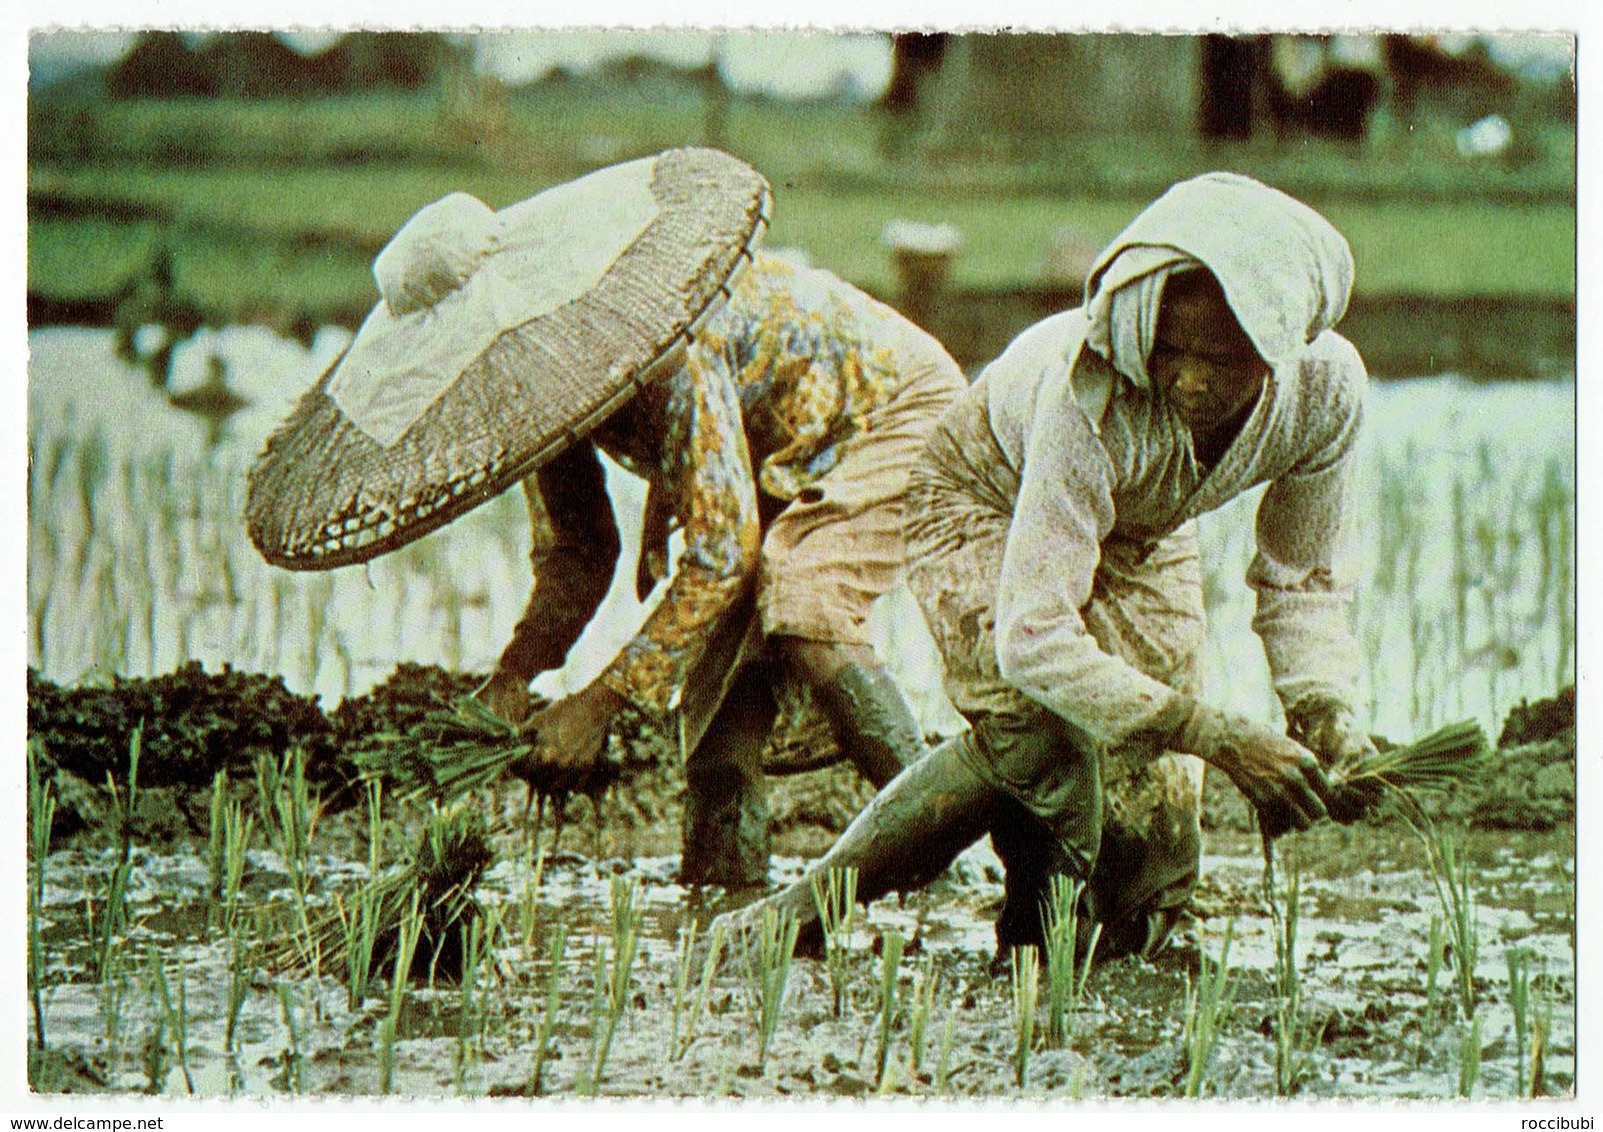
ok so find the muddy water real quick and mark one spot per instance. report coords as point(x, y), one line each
point(1361, 952)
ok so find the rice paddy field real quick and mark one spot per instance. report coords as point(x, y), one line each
point(1373, 965)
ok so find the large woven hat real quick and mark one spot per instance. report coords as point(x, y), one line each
point(501, 339)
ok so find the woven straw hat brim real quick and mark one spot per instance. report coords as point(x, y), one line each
point(324, 493)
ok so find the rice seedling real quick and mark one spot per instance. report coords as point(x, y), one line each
point(239, 974)
point(1208, 1000)
point(588, 1080)
point(943, 1060)
point(548, 1015)
point(411, 930)
point(835, 895)
point(709, 969)
point(292, 1060)
point(1541, 1027)
point(890, 959)
point(681, 979)
point(528, 918)
point(1450, 875)
point(929, 979)
point(1026, 982)
point(469, 1029)
point(769, 947)
point(154, 1055)
point(111, 1000)
point(41, 817)
point(174, 1011)
point(373, 791)
point(1066, 972)
point(1469, 1059)
point(216, 836)
point(1435, 959)
point(114, 913)
point(613, 984)
point(1291, 1062)
point(237, 830)
point(1519, 1001)
point(361, 924)
point(289, 810)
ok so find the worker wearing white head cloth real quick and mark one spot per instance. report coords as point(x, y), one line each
point(1053, 551)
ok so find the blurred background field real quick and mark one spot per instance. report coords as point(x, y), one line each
point(267, 171)
point(203, 211)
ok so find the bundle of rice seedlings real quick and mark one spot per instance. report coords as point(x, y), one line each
point(443, 870)
point(1452, 755)
point(469, 747)
point(449, 754)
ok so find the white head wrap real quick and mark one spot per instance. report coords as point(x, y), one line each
point(1285, 271)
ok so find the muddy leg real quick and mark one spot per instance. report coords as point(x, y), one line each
point(725, 822)
point(1032, 853)
point(908, 835)
point(1151, 855)
point(869, 718)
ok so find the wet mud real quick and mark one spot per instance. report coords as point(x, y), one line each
point(1369, 1024)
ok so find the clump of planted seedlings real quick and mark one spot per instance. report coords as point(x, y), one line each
point(238, 990)
point(835, 895)
point(1451, 877)
point(112, 995)
point(173, 1010)
point(114, 910)
point(546, 1032)
point(476, 934)
point(709, 970)
point(890, 959)
point(1207, 1002)
point(361, 927)
point(769, 947)
point(1026, 984)
point(289, 810)
point(528, 917)
point(613, 986)
point(1067, 971)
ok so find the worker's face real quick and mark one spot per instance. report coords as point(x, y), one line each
point(1202, 359)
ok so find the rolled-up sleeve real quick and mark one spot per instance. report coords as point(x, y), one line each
point(709, 473)
point(1303, 571)
point(1065, 510)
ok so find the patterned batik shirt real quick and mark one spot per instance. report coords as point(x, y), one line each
point(794, 363)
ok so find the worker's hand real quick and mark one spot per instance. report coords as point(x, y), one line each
point(1329, 730)
point(506, 695)
point(570, 736)
point(1281, 778)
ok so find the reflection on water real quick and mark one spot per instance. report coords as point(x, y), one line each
point(137, 558)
